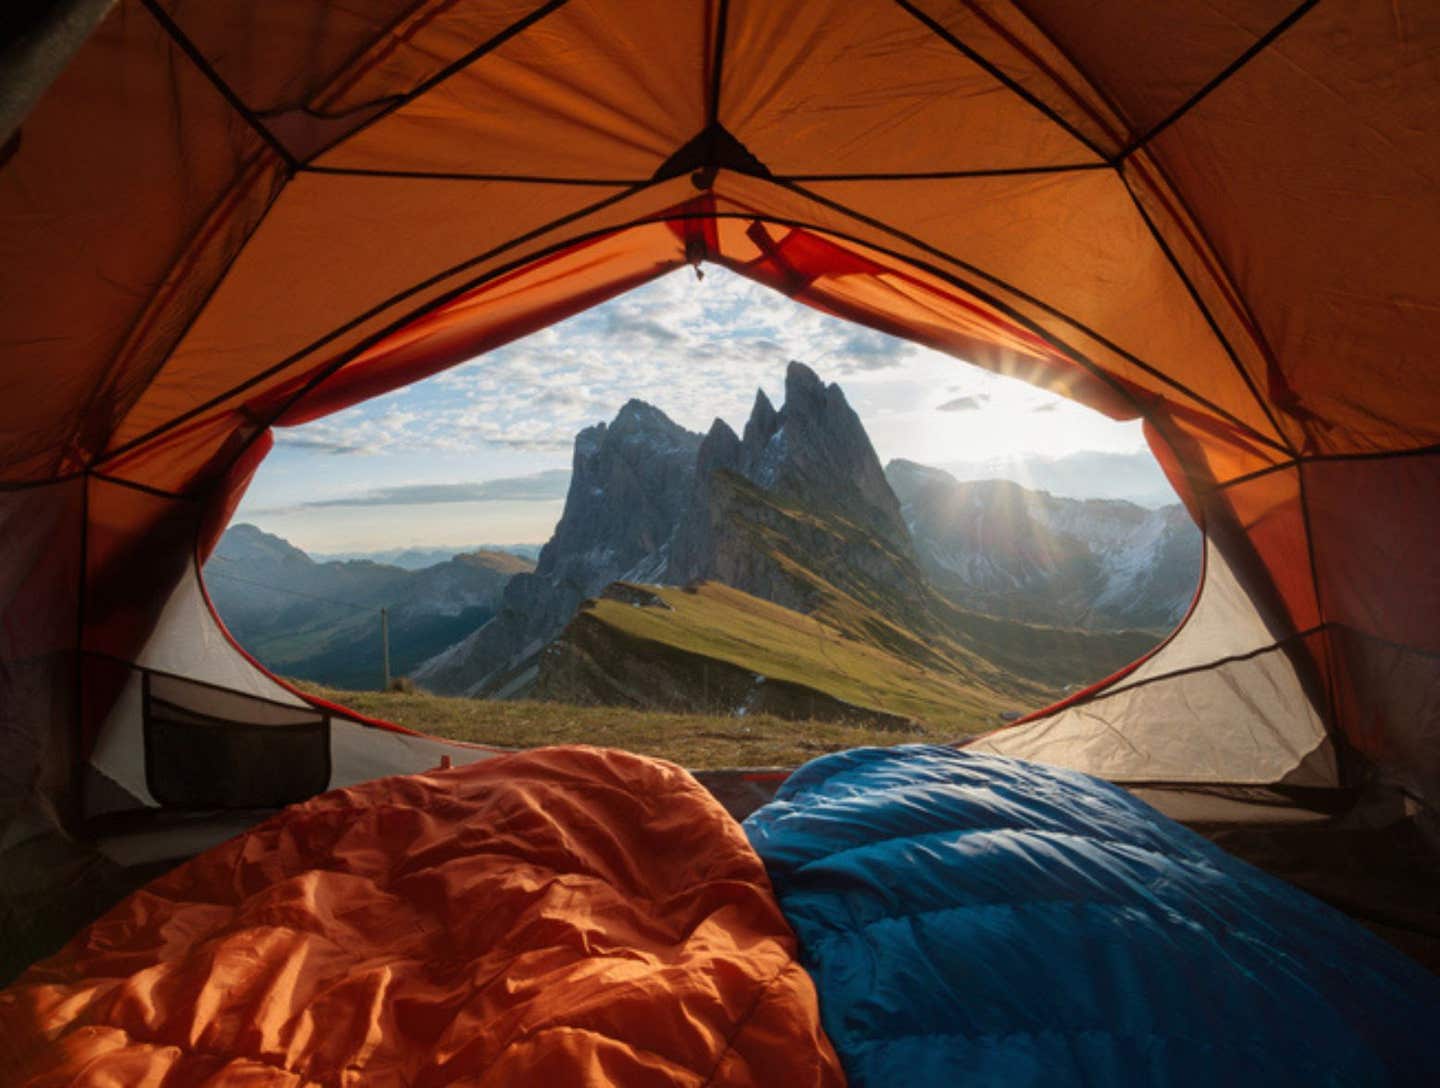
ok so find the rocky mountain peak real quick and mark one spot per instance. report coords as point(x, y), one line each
point(764, 421)
point(720, 450)
point(803, 387)
point(815, 450)
point(248, 543)
point(629, 482)
point(639, 417)
point(587, 443)
point(652, 502)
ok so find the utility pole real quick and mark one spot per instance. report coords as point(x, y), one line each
point(385, 644)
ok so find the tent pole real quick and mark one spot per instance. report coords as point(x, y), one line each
point(385, 644)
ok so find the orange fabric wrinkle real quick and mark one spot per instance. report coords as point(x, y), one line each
point(579, 915)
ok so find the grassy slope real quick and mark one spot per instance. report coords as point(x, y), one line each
point(921, 625)
point(719, 622)
point(696, 741)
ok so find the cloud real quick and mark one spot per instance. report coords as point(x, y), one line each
point(539, 487)
point(318, 444)
point(1052, 406)
point(621, 324)
point(972, 403)
point(865, 349)
point(695, 350)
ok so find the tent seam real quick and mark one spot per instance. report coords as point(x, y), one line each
point(1278, 644)
point(1210, 319)
point(456, 66)
point(1053, 311)
point(1219, 79)
point(1343, 756)
point(940, 31)
point(73, 813)
point(717, 64)
point(945, 275)
point(360, 319)
point(234, 191)
point(1048, 71)
point(197, 58)
point(436, 175)
point(949, 175)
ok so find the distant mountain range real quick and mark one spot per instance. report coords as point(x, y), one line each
point(780, 570)
point(420, 558)
point(1001, 548)
point(320, 620)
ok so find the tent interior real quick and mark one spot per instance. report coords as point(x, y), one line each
point(225, 218)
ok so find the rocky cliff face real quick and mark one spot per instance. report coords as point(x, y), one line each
point(652, 502)
point(1029, 555)
point(797, 510)
point(812, 454)
point(807, 478)
point(630, 483)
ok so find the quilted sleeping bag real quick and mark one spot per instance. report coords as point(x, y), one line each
point(973, 920)
point(558, 917)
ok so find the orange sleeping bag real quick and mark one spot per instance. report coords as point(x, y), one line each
point(567, 916)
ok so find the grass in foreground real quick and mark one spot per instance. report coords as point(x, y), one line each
point(695, 741)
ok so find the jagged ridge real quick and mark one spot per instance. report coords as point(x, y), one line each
point(796, 511)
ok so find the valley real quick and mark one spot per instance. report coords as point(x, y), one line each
point(780, 572)
point(321, 620)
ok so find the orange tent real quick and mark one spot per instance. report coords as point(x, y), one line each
point(1218, 216)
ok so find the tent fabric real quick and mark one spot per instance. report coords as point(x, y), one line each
point(972, 919)
point(1217, 217)
point(564, 916)
point(1148, 724)
point(217, 680)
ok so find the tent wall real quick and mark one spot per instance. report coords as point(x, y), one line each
point(1377, 569)
point(191, 673)
point(41, 535)
point(1216, 217)
point(1221, 702)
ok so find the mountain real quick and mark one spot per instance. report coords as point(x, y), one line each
point(629, 485)
point(416, 558)
point(807, 473)
point(788, 527)
point(320, 620)
point(799, 512)
point(1029, 555)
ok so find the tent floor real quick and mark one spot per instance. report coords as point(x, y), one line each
point(53, 886)
point(1385, 877)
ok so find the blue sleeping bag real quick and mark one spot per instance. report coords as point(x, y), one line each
point(974, 920)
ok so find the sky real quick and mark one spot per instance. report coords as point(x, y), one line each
point(480, 454)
